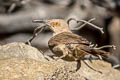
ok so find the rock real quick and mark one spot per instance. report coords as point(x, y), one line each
point(24, 69)
point(18, 49)
point(27, 66)
point(29, 69)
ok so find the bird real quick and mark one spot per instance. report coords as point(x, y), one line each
point(67, 45)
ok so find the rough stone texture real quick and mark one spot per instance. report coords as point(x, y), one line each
point(29, 68)
point(18, 49)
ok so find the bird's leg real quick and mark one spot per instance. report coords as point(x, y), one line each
point(75, 56)
point(86, 22)
point(35, 33)
point(76, 59)
point(78, 65)
point(91, 67)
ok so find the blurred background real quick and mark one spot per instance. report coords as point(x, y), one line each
point(16, 21)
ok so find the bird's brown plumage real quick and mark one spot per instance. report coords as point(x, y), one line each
point(67, 37)
point(78, 48)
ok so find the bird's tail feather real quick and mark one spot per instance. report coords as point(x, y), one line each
point(97, 52)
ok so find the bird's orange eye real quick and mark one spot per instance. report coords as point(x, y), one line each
point(55, 24)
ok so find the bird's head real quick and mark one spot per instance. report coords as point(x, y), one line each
point(56, 25)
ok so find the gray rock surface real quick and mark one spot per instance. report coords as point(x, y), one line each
point(32, 66)
point(19, 50)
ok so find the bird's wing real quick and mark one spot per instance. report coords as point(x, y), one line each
point(67, 38)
